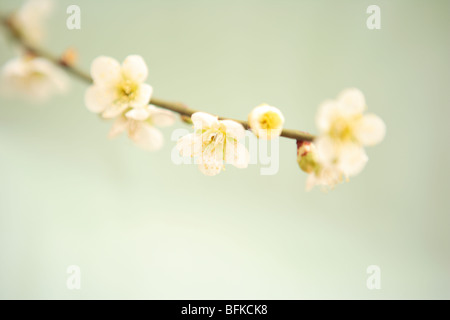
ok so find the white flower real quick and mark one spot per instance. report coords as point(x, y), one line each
point(140, 126)
point(33, 78)
point(266, 121)
point(326, 176)
point(30, 18)
point(214, 143)
point(342, 120)
point(117, 88)
point(344, 130)
point(349, 158)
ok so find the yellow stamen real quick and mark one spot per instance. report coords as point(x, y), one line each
point(127, 90)
point(270, 120)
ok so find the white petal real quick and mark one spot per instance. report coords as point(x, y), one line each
point(105, 71)
point(97, 98)
point(143, 96)
point(38, 90)
point(352, 159)
point(202, 120)
point(138, 114)
point(328, 110)
point(148, 137)
point(326, 150)
point(32, 31)
point(134, 68)
point(42, 89)
point(118, 127)
point(311, 182)
point(328, 177)
point(370, 130)
point(253, 122)
point(161, 117)
point(30, 19)
point(190, 145)
point(210, 168)
point(37, 9)
point(59, 79)
point(353, 100)
point(211, 153)
point(114, 110)
point(234, 129)
point(14, 67)
point(237, 154)
point(211, 163)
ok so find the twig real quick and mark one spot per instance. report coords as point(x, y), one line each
point(177, 107)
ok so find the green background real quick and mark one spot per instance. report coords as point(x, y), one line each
point(141, 227)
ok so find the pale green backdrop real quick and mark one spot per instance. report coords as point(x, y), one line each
point(141, 227)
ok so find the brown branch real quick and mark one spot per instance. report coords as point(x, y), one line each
point(177, 107)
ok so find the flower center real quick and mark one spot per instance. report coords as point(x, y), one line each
point(33, 77)
point(37, 75)
point(214, 140)
point(127, 90)
point(343, 129)
point(270, 120)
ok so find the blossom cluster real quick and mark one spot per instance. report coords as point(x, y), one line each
point(28, 76)
point(344, 130)
point(120, 92)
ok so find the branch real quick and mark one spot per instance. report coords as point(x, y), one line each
point(177, 107)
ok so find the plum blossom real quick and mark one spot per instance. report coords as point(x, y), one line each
point(29, 20)
point(324, 175)
point(338, 152)
point(214, 143)
point(140, 125)
point(35, 79)
point(345, 130)
point(118, 87)
point(266, 121)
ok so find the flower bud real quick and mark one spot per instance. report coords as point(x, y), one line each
point(69, 57)
point(306, 157)
point(266, 121)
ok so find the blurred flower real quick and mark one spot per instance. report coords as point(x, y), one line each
point(326, 176)
point(266, 121)
point(344, 130)
point(342, 120)
point(33, 78)
point(117, 88)
point(30, 18)
point(140, 125)
point(214, 143)
point(348, 158)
